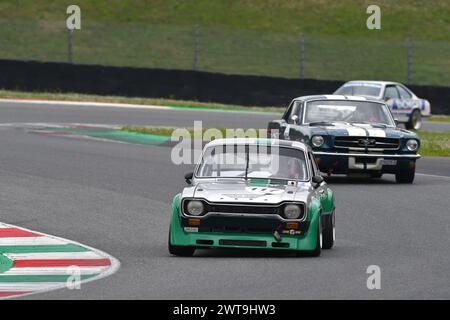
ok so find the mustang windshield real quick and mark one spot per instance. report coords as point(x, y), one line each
point(253, 161)
point(347, 111)
point(360, 89)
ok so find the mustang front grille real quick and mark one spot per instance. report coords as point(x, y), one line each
point(367, 142)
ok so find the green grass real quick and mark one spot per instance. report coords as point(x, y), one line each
point(439, 119)
point(434, 144)
point(257, 37)
point(7, 94)
point(217, 133)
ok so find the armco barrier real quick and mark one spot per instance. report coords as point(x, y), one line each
point(177, 84)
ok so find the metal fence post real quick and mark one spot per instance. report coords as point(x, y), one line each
point(69, 45)
point(196, 48)
point(409, 62)
point(302, 56)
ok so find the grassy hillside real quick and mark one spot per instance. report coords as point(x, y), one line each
point(247, 37)
point(424, 19)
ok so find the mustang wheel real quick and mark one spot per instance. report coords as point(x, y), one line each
point(180, 250)
point(329, 232)
point(376, 175)
point(415, 121)
point(405, 176)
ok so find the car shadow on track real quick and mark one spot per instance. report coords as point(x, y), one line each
point(358, 180)
point(245, 253)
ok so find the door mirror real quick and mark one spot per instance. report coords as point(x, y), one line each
point(294, 119)
point(396, 122)
point(317, 180)
point(188, 177)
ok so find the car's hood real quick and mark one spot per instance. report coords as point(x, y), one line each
point(362, 130)
point(247, 192)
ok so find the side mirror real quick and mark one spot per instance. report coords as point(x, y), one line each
point(294, 119)
point(188, 177)
point(316, 181)
point(396, 122)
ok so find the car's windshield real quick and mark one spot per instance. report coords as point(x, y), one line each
point(360, 89)
point(253, 161)
point(347, 111)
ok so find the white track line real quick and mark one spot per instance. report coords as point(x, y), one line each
point(84, 104)
point(30, 286)
point(29, 241)
point(432, 175)
point(53, 271)
point(53, 255)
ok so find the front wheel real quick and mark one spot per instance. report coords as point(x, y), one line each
point(319, 242)
point(376, 175)
point(181, 251)
point(405, 176)
point(415, 121)
point(329, 232)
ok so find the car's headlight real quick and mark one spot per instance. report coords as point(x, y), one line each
point(292, 211)
point(317, 141)
point(194, 208)
point(412, 145)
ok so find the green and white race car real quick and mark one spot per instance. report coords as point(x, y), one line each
point(254, 193)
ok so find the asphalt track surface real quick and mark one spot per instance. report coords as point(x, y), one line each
point(116, 197)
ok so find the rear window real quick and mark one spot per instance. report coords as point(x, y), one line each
point(359, 89)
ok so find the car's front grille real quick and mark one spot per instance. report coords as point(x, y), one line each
point(367, 143)
point(236, 208)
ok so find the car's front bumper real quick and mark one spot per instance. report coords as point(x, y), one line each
point(341, 163)
point(304, 238)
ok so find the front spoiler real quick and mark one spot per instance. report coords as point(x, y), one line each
point(202, 239)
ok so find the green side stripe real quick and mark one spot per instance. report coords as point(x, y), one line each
point(43, 248)
point(41, 278)
point(5, 263)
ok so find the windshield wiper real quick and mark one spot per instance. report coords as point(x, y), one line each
point(321, 123)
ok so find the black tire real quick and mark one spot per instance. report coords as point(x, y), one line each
point(415, 121)
point(329, 233)
point(376, 175)
point(405, 176)
point(318, 250)
point(180, 251)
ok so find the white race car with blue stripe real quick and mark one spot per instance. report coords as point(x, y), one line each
point(406, 107)
point(350, 134)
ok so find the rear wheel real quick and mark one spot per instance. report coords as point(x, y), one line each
point(415, 121)
point(329, 231)
point(405, 176)
point(182, 251)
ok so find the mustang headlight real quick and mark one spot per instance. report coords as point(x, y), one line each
point(194, 207)
point(317, 141)
point(412, 145)
point(292, 211)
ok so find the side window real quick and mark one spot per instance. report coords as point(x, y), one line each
point(294, 109)
point(390, 93)
point(312, 161)
point(404, 94)
point(287, 114)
